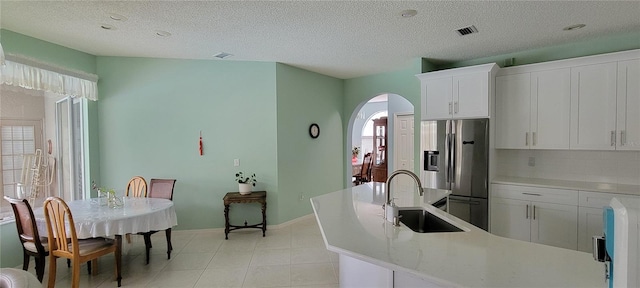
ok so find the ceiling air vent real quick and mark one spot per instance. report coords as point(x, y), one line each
point(222, 55)
point(467, 30)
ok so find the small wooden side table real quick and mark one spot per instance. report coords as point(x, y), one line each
point(254, 197)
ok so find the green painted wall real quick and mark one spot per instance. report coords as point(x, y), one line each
point(307, 167)
point(18, 44)
point(152, 111)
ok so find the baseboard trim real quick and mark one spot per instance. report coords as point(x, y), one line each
point(274, 227)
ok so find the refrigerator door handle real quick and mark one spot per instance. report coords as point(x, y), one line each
point(454, 142)
point(468, 201)
point(447, 156)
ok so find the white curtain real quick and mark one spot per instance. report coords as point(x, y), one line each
point(30, 77)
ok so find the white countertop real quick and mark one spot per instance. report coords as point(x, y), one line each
point(572, 185)
point(351, 223)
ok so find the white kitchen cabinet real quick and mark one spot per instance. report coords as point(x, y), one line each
point(593, 106)
point(457, 93)
point(541, 215)
point(590, 215)
point(589, 225)
point(510, 218)
point(437, 98)
point(532, 110)
point(628, 105)
point(513, 105)
point(554, 224)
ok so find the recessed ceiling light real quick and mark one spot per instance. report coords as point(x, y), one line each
point(117, 17)
point(107, 27)
point(574, 27)
point(163, 33)
point(222, 55)
point(409, 13)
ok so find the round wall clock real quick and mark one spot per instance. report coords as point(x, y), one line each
point(314, 130)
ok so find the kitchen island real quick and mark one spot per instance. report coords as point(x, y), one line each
point(374, 253)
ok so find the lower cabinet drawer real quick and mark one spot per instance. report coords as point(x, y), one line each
point(531, 193)
point(600, 199)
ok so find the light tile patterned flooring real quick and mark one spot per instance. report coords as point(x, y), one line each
point(291, 255)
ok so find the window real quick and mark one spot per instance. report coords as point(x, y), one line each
point(70, 138)
point(368, 127)
point(366, 140)
point(18, 138)
point(61, 169)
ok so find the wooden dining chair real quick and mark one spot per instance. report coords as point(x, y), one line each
point(365, 171)
point(137, 187)
point(160, 188)
point(32, 243)
point(64, 243)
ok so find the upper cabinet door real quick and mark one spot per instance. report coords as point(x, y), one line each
point(513, 93)
point(437, 98)
point(593, 107)
point(458, 93)
point(550, 109)
point(471, 96)
point(628, 122)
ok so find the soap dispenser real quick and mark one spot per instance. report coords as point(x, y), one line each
point(391, 211)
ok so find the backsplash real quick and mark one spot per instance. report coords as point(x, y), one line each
point(619, 167)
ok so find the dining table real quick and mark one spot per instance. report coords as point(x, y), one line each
point(94, 218)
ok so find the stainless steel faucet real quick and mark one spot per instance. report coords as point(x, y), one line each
point(388, 186)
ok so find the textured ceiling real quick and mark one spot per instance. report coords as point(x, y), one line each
point(344, 39)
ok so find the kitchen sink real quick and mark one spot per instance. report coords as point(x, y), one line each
point(422, 221)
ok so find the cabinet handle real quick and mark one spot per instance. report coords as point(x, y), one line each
point(534, 138)
point(534, 212)
point(526, 139)
point(455, 107)
point(531, 194)
point(450, 108)
point(526, 215)
point(613, 138)
point(623, 138)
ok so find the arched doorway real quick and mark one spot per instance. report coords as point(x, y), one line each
point(358, 135)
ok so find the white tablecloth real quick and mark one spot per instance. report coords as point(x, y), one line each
point(137, 215)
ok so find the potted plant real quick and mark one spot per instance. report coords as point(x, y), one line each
point(354, 154)
point(245, 183)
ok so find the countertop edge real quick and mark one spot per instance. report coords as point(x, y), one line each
point(570, 185)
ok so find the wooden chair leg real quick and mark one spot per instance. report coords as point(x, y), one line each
point(169, 246)
point(94, 266)
point(52, 272)
point(75, 274)
point(25, 260)
point(128, 236)
point(40, 268)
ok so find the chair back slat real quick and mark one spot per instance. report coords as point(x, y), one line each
point(137, 187)
point(59, 220)
point(161, 188)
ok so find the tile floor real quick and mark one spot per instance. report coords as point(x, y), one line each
point(291, 255)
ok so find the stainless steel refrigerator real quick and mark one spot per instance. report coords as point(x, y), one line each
point(455, 156)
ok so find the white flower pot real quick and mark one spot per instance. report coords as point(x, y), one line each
point(245, 188)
